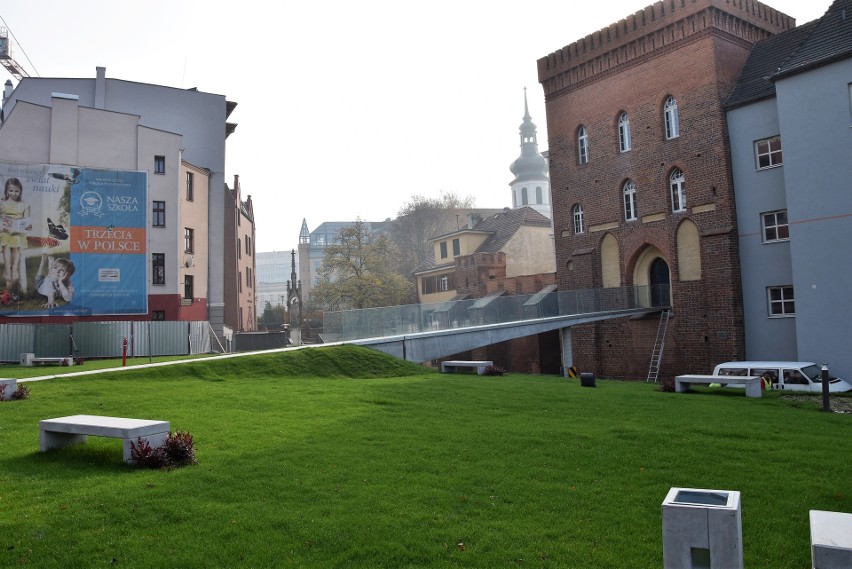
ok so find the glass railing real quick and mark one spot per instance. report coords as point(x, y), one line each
point(418, 318)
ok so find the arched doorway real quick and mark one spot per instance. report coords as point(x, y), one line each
point(651, 272)
point(660, 281)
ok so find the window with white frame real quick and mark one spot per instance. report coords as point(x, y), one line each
point(624, 137)
point(775, 227)
point(677, 184)
point(671, 118)
point(159, 164)
point(767, 153)
point(781, 301)
point(629, 192)
point(577, 213)
point(583, 145)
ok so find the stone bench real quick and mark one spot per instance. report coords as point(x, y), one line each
point(831, 540)
point(752, 383)
point(453, 366)
point(63, 431)
point(9, 387)
point(28, 359)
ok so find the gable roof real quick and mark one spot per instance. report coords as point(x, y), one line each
point(830, 41)
point(499, 227)
point(755, 82)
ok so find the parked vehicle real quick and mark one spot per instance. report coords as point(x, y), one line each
point(789, 376)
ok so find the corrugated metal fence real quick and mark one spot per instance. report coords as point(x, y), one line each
point(104, 339)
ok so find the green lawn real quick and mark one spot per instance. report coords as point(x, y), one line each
point(343, 457)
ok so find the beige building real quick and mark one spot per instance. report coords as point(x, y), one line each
point(240, 288)
point(512, 243)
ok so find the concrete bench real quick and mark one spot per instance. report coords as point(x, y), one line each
point(9, 387)
point(453, 366)
point(752, 383)
point(63, 431)
point(831, 540)
point(28, 359)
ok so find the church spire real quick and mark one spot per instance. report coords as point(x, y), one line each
point(531, 186)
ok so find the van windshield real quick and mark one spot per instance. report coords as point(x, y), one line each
point(813, 372)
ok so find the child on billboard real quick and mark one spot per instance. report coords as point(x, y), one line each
point(15, 220)
point(54, 280)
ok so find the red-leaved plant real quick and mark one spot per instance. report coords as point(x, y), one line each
point(177, 450)
point(493, 370)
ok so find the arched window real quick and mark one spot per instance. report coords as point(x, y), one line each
point(539, 195)
point(514, 197)
point(578, 219)
point(671, 118)
point(583, 145)
point(624, 138)
point(677, 184)
point(524, 197)
point(629, 192)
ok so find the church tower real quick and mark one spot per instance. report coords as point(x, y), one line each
point(531, 186)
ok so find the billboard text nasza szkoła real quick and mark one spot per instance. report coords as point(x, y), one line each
point(73, 241)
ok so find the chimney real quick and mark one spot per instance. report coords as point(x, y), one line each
point(471, 221)
point(100, 87)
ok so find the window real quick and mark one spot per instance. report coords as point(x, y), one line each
point(239, 248)
point(539, 195)
point(677, 183)
point(578, 219)
point(624, 139)
point(248, 277)
point(187, 238)
point(445, 283)
point(525, 200)
point(158, 268)
point(768, 153)
point(187, 287)
point(781, 301)
point(159, 164)
point(443, 249)
point(583, 145)
point(159, 215)
point(456, 248)
point(158, 315)
point(629, 201)
point(189, 186)
point(775, 226)
point(671, 118)
point(248, 245)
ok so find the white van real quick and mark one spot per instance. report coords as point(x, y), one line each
point(790, 376)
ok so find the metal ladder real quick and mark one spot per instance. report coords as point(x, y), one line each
point(659, 345)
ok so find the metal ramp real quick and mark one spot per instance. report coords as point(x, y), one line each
point(659, 346)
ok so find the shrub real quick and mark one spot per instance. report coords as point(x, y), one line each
point(494, 370)
point(179, 449)
point(667, 385)
point(144, 455)
point(2, 391)
point(22, 392)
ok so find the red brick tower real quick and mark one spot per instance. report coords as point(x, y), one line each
point(641, 177)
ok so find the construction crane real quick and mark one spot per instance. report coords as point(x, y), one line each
point(6, 58)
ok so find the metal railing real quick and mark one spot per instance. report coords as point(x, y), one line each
point(386, 321)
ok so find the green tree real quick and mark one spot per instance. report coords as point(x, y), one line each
point(358, 271)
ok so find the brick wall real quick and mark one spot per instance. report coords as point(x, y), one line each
point(692, 50)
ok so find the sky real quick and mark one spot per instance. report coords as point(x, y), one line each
point(346, 109)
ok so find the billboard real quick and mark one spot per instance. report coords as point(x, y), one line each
point(73, 241)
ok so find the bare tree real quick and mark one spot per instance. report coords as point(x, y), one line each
point(421, 219)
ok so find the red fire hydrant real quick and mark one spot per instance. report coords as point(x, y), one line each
point(124, 352)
